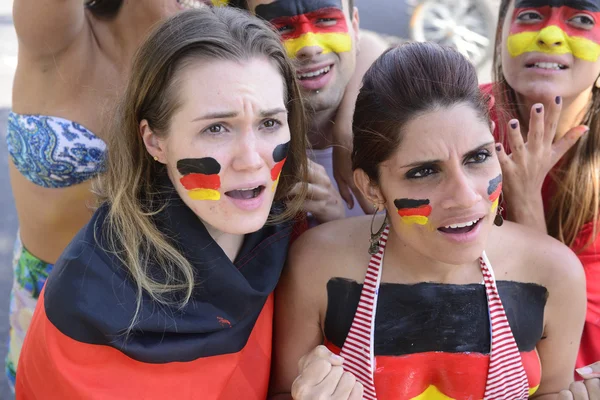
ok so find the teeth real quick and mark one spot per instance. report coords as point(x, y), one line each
point(247, 189)
point(463, 225)
point(191, 3)
point(548, 65)
point(315, 73)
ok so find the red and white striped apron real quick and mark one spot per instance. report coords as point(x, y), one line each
point(506, 378)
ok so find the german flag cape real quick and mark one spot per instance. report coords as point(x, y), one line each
point(216, 347)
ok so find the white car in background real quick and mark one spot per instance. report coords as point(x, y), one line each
point(467, 25)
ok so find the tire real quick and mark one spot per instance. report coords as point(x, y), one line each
point(467, 25)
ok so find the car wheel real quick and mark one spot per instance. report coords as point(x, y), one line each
point(467, 25)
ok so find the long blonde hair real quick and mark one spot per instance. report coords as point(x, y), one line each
point(129, 186)
point(577, 180)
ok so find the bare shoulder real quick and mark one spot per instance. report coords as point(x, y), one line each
point(333, 248)
point(531, 256)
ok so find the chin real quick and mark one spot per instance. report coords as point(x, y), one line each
point(241, 223)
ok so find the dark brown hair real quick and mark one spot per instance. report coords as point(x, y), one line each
point(104, 8)
point(403, 83)
point(577, 179)
point(130, 186)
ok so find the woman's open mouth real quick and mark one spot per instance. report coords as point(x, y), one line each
point(245, 194)
point(464, 227)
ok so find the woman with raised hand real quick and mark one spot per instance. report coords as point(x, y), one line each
point(167, 291)
point(547, 70)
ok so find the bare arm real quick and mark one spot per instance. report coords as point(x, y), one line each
point(297, 317)
point(46, 27)
point(565, 315)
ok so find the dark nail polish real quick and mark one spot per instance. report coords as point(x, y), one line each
point(498, 147)
point(538, 109)
point(514, 125)
point(557, 99)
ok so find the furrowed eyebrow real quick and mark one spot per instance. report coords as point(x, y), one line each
point(584, 5)
point(288, 8)
point(429, 162)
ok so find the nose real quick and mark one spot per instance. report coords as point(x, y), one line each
point(551, 37)
point(246, 156)
point(460, 192)
point(310, 47)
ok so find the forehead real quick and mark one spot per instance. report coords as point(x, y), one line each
point(588, 5)
point(439, 133)
point(215, 84)
point(288, 8)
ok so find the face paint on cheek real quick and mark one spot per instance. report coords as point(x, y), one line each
point(309, 23)
point(494, 190)
point(200, 177)
point(220, 3)
point(279, 156)
point(552, 33)
point(413, 211)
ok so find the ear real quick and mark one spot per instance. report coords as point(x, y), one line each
point(154, 146)
point(368, 188)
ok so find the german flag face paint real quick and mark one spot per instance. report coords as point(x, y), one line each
point(307, 23)
point(220, 3)
point(556, 27)
point(279, 155)
point(413, 211)
point(200, 177)
point(494, 191)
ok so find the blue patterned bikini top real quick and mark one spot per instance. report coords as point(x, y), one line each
point(54, 152)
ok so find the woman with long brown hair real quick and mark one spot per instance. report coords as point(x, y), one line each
point(547, 58)
point(167, 291)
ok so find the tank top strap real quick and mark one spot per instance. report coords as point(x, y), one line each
point(506, 378)
point(357, 350)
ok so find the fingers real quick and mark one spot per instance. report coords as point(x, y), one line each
point(515, 139)
point(504, 158)
point(579, 391)
point(317, 174)
point(591, 371)
point(593, 388)
point(345, 192)
point(561, 146)
point(552, 116)
point(537, 129)
point(320, 372)
point(565, 395)
point(319, 352)
point(357, 392)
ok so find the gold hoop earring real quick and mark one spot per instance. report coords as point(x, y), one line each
point(374, 241)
